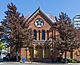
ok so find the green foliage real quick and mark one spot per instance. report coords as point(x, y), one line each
point(72, 61)
point(2, 46)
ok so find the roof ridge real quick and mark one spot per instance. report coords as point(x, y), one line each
point(39, 9)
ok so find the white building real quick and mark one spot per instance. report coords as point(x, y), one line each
point(76, 21)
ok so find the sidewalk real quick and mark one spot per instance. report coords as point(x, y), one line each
point(36, 63)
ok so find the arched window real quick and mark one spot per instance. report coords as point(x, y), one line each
point(43, 34)
point(39, 34)
point(35, 34)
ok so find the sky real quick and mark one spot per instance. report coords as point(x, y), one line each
point(53, 7)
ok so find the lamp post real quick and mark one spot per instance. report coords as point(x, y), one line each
point(53, 44)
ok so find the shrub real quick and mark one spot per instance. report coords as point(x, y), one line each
point(72, 61)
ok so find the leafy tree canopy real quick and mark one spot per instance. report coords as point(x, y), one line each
point(14, 30)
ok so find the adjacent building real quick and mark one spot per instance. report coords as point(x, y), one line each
point(76, 21)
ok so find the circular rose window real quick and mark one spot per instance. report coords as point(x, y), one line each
point(39, 22)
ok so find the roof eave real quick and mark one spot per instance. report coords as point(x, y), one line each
point(31, 16)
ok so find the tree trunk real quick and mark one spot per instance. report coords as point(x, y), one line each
point(71, 54)
point(16, 52)
point(65, 56)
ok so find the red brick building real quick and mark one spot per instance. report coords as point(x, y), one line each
point(43, 27)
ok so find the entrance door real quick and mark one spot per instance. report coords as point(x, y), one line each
point(39, 54)
point(47, 53)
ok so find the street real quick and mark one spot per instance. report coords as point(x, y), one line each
point(34, 63)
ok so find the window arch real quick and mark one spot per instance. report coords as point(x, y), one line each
point(35, 34)
point(43, 34)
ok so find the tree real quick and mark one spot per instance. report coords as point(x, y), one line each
point(16, 33)
point(67, 40)
point(2, 46)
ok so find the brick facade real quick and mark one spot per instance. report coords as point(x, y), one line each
point(39, 50)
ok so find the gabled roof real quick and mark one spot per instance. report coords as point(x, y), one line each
point(52, 21)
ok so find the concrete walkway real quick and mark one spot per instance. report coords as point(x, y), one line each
point(35, 63)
